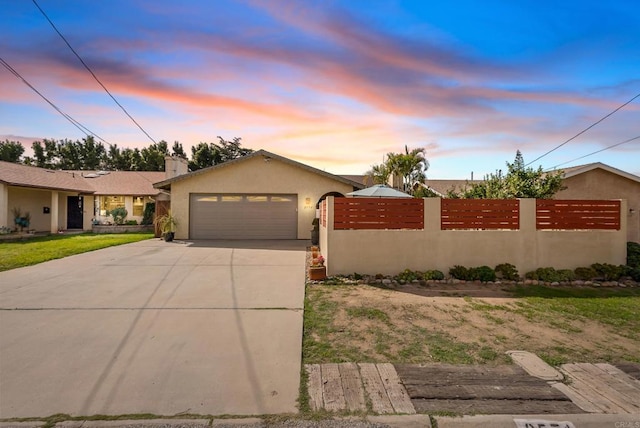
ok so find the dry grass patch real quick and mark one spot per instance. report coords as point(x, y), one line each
point(467, 324)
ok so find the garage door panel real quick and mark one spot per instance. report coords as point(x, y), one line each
point(226, 216)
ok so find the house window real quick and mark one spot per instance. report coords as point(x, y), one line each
point(138, 205)
point(108, 203)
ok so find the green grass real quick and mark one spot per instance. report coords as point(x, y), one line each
point(616, 307)
point(15, 254)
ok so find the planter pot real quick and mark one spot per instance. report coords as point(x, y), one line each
point(168, 237)
point(317, 273)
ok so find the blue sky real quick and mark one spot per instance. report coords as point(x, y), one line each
point(335, 84)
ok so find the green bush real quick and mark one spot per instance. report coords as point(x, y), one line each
point(118, 214)
point(634, 273)
point(507, 271)
point(408, 275)
point(566, 275)
point(434, 275)
point(585, 273)
point(460, 272)
point(608, 272)
point(547, 274)
point(483, 273)
point(633, 254)
point(149, 211)
point(131, 223)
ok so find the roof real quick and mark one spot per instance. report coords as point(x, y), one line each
point(134, 183)
point(581, 169)
point(379, 191)
point(442, 187)
point(267, 155)
point(359, 178)
point(16, 174)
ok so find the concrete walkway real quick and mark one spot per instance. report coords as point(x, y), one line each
point(154, 327)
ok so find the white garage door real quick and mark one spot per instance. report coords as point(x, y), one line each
point(226, 216)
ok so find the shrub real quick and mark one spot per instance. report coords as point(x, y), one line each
point(149, 212)
point(118, 214)
point(566, 275)
point(435, 275)
point(634, 273)
point(507, 271)
point(408, 275)
point(633, 254)
point(585, 273)
point(608, 272)
point(547, 274)
point(483, 273)
point(459, 272)
point(131, 223)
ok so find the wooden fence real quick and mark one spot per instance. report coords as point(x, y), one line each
point(554, 214)
point(378, 213)
point(480, 214)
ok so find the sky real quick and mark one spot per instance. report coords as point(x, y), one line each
point(334, 84)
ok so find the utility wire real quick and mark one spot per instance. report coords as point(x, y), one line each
point(74, 122)
point(597, 151)
point(581, 132)
point(92, 73)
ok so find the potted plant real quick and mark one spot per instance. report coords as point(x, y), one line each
point(20, 220)
point(317, 270)
point(315, 232)
point(167, 224)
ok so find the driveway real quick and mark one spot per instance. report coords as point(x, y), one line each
point(154, 327)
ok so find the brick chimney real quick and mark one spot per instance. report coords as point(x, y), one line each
point(174, 166)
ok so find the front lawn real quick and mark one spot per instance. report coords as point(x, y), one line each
point(14, 254)
point(458, 325)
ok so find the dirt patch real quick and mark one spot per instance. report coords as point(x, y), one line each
point(463, 323)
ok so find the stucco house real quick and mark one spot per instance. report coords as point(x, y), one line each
point(258, 196)
point(63, 200)
point(591, 181)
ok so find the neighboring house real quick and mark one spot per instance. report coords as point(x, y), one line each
point(258, 196)
point(590, 181)
point(62, 200)
point(52, 198)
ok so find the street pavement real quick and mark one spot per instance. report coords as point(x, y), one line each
point(154, 327)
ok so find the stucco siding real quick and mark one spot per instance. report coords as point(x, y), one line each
point(256, 176)
point(601, 184)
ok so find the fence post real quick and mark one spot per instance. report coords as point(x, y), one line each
point(325, 238)
point(432, 214)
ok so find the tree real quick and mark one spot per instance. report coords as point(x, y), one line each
point(518, 182)
point(205, 155)
point(11, 151)
point(410, 165)
point(178, 150)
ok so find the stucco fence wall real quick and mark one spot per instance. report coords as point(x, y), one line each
point(389, 252)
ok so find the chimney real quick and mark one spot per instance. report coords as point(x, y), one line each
point(175, 166)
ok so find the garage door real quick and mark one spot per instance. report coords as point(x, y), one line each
point(225, 216)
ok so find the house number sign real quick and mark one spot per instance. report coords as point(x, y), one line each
point(539, 423)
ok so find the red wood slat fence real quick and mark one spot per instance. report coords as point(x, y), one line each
point(577, 214)
point(378, 213)
point(480, 214)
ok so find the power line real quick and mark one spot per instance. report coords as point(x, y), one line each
point(583, 131)
point(597, 151)
point(74, 122)
point(92, 73)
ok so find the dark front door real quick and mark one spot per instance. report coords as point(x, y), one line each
point(74, 212)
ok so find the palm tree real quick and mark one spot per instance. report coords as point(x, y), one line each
point(379, 174)
point(410, 165)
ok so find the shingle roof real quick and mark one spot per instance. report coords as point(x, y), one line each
point(30, 176)
point(167, 183)
point(135, 183)
point(442, 187)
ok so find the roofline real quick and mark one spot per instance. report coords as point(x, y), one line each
point(581, 169)
point(267, 155)
point(61, 189)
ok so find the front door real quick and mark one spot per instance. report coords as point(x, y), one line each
point(74, 212)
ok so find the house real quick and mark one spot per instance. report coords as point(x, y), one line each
point(259, 196)
point(591, 181)
point(62, 200)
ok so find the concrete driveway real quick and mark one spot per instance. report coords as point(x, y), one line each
point(154, 327)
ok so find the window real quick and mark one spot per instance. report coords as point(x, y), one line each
point(108, 203)
point(138, 206)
